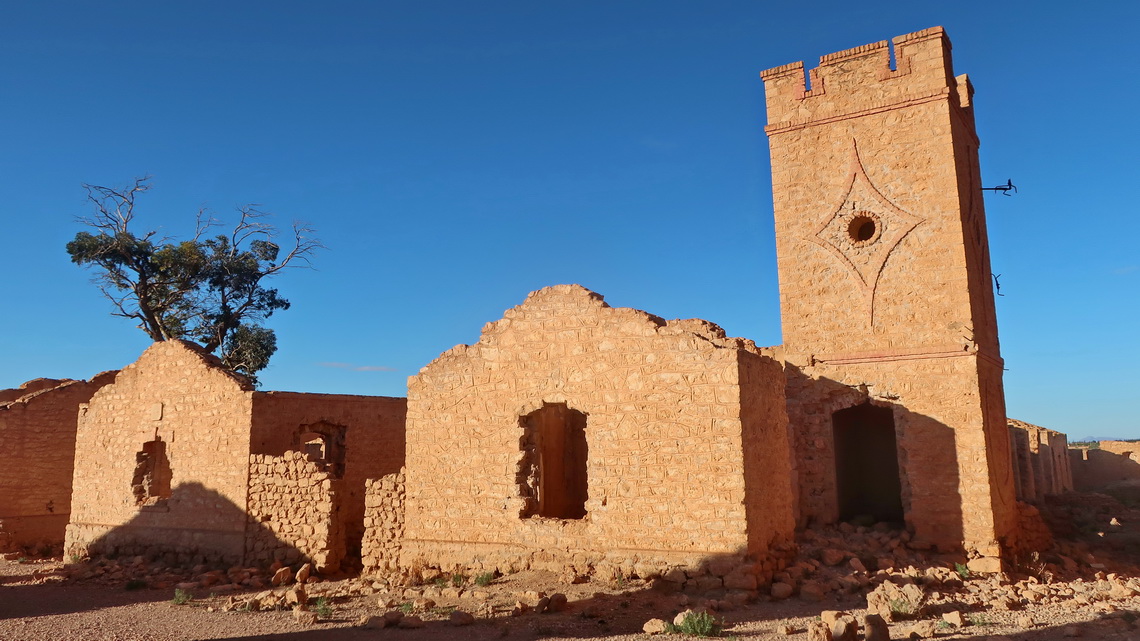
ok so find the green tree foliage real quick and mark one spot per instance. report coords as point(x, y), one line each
point(209, 289)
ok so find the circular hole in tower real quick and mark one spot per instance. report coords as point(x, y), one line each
point(862, 228)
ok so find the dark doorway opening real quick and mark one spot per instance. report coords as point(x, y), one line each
point(552, 472)
point(866, 464)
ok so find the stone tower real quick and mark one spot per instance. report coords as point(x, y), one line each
point(895, 376)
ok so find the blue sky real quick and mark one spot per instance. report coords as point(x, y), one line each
point(455, 156)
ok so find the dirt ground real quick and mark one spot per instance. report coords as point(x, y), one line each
point(1093, 592)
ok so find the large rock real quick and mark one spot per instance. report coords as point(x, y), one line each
point(819, 631)
point(875, 628)
point(459, 617)
point(845, 628)
point(304, 573)
point(781, 591)
point(894, 602)
point(655, 626)
point(282, 576)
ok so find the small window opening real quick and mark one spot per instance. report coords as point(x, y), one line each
point(552, 470)
point(151, 482)
point(862, 229)
point(323, 443)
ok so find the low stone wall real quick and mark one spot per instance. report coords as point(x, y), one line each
point(293, 513)
point(383, 523)
point(1111, 462)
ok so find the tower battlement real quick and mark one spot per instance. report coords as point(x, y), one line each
point(861, 80)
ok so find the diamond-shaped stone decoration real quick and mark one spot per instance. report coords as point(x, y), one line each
point(863, 230)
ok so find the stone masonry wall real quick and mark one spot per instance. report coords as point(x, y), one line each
point(37, 429)
point(384, 524)
point(1040, 461)
point(373, 446)
point(294, 513)
point(666, 475)
point(162, 461)
point(1110, 463)
point(884, 281)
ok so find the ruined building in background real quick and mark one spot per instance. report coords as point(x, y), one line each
point(37, 428)
point(181, 459)
point(1105, 465)
point(1041, 464)
point(578, 435)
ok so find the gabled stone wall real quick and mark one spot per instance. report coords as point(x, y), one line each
point(669, 410)
point(37, 429)
point(182, 497)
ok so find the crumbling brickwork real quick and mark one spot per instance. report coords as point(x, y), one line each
point(164, 464)
point(654, 419)
point(363, 437)
point(1040, 461)
point(37, 428)
point(384, 523)
point(885, 288)
point(294, 512)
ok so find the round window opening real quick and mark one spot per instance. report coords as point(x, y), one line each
point(862, 228)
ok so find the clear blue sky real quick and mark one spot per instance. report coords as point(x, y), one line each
point(455, 156)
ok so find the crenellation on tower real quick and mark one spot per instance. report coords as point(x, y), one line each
point(860, 80)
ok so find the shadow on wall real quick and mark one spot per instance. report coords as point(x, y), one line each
point(169, 531)
point(865, 459)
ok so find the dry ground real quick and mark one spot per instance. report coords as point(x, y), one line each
point(42, 600)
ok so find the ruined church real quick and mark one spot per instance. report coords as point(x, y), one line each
point(575, 436)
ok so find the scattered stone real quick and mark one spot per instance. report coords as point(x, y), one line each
point(875, 628)
point(785, 630)
point(303, 616)
point(923, 630)
point(1025, 622)
point(831, 557)
point(811, 591)
point(954, 618)
point(655, 626)
point(282, 576)
point(818, 631)
point(845, 628)
point(558, 602)
point(304, 572)
point(372, 622)
point(393, 616)
point(410, 622)
point(459, 617)
point(781, 591)
point(296, 596)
